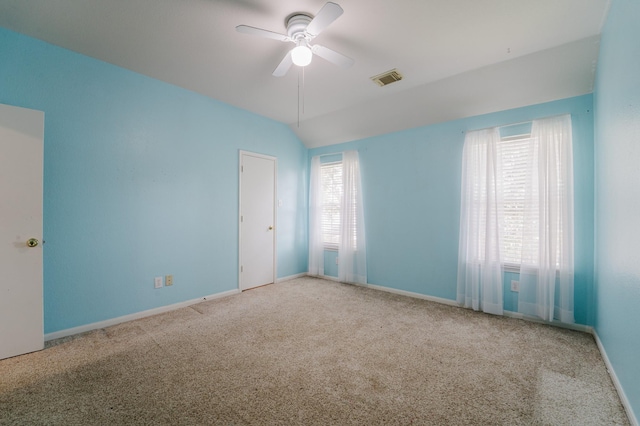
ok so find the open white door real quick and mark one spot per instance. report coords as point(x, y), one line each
point(21, 173)
point(257, 220)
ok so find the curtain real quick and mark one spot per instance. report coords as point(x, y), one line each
point(480, 273)
point(547, 268)
point(352, 263)
point(316, 246)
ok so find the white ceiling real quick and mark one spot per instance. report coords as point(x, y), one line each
point(459, 58)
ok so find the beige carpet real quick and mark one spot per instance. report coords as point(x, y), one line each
point(310, 351)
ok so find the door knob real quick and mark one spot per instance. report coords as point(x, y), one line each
point(270, 228)
point(32, 242)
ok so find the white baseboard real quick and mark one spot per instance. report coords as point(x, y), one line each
point(147, 313)
point(577, 327)
point(134, 316)
point(393, 290)
point(291, 277)
point(325, 277)
point(440, 300)
point(612, 373)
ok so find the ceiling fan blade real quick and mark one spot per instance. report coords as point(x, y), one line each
point(329, 13)
point(261, 33)
point(284, 65)
point(332, 56)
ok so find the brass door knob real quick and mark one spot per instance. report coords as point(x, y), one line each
point(32, 242)
point(270, 228)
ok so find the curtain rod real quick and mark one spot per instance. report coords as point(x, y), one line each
point(516, 124)
point(331, 153)
point(519, 123)
point(501, 126)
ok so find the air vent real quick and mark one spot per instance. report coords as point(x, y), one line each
point(387, 77)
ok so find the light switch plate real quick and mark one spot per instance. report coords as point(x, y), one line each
point(515, 285)
point(157, 283)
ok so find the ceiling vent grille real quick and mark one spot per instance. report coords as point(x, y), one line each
point(387, 77)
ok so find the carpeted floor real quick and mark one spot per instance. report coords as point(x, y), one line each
point(310, 351)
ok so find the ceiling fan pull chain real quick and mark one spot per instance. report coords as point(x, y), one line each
point(299, 97)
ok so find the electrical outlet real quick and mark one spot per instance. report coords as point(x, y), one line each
point(157, 282)
point(515, 285)
point(168, 280)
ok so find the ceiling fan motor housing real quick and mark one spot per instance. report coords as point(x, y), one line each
point(296, 26)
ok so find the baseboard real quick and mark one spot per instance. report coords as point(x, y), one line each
point(410, 294)
point(394, 291)
point(291, 277)
point(134, 316)
point(510, 314)
point(576, 327)
point(614, 378)
point(325, 277)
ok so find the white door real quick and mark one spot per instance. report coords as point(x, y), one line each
point(257, 220)
point(21, 168)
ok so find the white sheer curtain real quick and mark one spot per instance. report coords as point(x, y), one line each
point(481, 221)
point(547, 268)
point(316, 246)
point(352, 256)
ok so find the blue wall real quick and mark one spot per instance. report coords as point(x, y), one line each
point(411, 189)
point(617, 105)
point(141, 180)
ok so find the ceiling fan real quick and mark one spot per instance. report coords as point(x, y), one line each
point(301, 30)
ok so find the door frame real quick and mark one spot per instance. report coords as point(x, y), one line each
point(242, 153)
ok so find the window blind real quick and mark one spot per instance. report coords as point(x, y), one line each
point(513, 156)
point(516, 155)
point(332, 189)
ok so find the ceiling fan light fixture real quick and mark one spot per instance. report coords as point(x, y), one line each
point(301, 55)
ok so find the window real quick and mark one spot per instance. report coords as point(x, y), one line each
point(332, 194)
point(336, 216)
point(331, 184)
point(513, 153)
point(516, 212)
point(514, 159)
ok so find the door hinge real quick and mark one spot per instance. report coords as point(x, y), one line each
point(241, 218)
point(241, 169)
point(241, 268)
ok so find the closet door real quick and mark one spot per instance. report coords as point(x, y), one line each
point(21, 173)
point(257, 220)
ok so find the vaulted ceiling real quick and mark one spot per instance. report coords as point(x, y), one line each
point(459, 58)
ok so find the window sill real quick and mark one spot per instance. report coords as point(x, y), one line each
point(511, 267)
point(515, 268)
